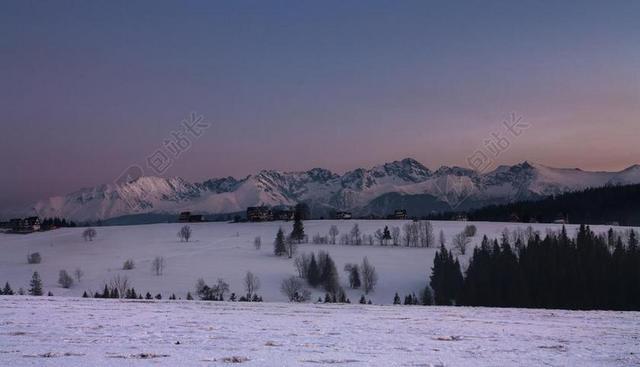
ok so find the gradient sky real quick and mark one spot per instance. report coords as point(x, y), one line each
point(88, 88)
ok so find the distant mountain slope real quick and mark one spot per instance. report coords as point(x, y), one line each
point(602, 205)
point(378, 190)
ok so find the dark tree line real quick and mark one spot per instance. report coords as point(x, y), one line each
point(586, 272)
point(602, 205)
point(50, 223)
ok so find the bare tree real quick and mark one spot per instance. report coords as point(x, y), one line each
point(121, 283)
point(441, 239)
point(333, 233)
point(356, 238)
point(184, 234)
point(78, 273)
point(220, 289)
point(368, 239)
point(34, 258)
point(257, 242)
point(293, 288)
point(411, 234)
point(379, 234)
point(369, 276)
point(128, 264)
point(460, 242)
point(64, 279)
point(89, 234)
point(425, 229)
point(301, 264)
point(395, 235)
point(292, 247)
point(251, 283)
point(157, 265)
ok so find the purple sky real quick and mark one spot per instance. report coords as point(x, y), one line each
point(89, 88)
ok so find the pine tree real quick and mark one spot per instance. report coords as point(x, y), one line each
point(297, 234)
point(7, 291)
point(329, 278)
point(446, 277)
point(50, 294)
point(189, 296)
point(386, 235)
point(342, 296)
point(85, 295)
point(148, 296)
point(313, 272)
point(106, 293)
point(407, 300)
point(327, 298)
point(396, 299)
point(279, 246)
point(354, 275)
point(36, 285)
point(363, 300)
point(426, 297)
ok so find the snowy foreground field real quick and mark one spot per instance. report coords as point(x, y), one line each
point(65, 331)
point(221, 250)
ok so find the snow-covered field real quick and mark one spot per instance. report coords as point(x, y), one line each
point(64, 331)
point(219, 250)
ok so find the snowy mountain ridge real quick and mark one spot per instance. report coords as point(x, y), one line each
point(378, 190)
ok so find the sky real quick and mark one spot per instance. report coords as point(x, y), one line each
point(89, 88)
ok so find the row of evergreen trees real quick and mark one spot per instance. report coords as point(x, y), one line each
point(584, 272)
point(601, 205)
point(35, 287)
point(50, 223)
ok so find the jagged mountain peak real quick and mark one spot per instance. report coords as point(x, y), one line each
point(326, 190)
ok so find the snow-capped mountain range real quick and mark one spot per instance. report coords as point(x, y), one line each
point(379, 190)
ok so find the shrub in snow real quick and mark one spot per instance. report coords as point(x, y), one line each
point(89, 234)
point(128, 264)
point(64, 279)
point(470, 230)
point(34, 258)
point(184, 234)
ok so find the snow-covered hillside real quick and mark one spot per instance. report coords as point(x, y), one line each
point(220, 250)
point(378, 190)
point(53, 331)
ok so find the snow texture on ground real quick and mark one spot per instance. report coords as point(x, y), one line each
point(223, 250)
point(66, 331)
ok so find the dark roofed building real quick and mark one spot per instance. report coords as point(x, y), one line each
point(259, 214)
